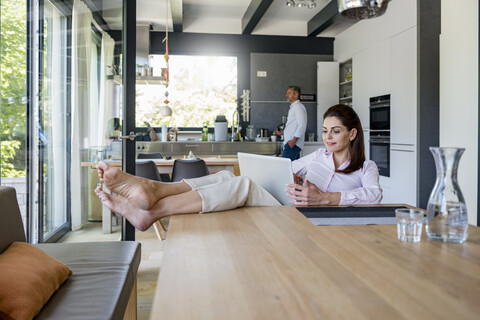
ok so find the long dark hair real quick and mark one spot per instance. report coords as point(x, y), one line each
point(349, 118)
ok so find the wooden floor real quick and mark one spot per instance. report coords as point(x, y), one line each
point(152, 253)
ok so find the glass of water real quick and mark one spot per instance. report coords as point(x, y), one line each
point(409, 224)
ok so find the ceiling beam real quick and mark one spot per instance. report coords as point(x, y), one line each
point(324, 19)
point(254, 13)
point(177, 14)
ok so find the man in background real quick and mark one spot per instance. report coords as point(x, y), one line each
point(296, 125)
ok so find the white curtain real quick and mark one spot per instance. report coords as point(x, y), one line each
point(81, 60)
point(106, 107)
point(55, 107)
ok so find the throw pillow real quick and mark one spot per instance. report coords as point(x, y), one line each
point(28, 278)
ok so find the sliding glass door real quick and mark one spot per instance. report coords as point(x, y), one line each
point(76, 90)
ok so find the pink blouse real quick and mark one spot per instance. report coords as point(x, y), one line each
point(359, 187)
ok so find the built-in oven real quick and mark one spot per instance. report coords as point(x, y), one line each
point(380, 133)
point(380, 112)
point(380, 151)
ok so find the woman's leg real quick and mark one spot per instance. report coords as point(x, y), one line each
point(233, 193)
point(188, 202)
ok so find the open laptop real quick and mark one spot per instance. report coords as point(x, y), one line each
point(270, 172)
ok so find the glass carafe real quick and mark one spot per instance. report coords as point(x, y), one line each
point(447, 218)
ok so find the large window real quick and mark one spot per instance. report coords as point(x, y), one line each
point(201, 87)
point(13, 99)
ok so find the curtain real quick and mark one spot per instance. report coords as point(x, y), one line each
point(81, 60)
point(107, 87)
point(55, 111)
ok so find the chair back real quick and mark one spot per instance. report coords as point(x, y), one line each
point(153, 155)
point(187, 169)
point(147, 170)
point(11, 225)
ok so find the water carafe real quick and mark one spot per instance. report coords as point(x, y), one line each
point(447, 218)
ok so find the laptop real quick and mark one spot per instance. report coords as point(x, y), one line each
point(270, 172)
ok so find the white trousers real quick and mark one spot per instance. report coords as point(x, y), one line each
point(225, 191)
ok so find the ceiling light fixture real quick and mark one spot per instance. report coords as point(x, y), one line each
point(310, 4)
point(362, 9)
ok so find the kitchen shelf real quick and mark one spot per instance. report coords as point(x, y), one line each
point(346, 81)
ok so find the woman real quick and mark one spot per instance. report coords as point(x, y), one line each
point(338, 175)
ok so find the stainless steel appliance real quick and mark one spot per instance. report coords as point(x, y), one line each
point(380, 133)
point(380, 113)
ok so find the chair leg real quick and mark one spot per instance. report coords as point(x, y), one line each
point(157, 225)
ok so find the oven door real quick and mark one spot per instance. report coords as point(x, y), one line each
point(380, 154)
point(380, 117)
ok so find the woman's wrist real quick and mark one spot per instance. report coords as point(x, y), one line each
point(331, 198)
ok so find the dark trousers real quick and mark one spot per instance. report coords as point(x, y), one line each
point(291, 153)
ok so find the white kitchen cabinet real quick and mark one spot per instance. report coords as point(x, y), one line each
point(403, 67)
point(371, 78)
point(327, 89)
point(310, 147)
point(403, 175)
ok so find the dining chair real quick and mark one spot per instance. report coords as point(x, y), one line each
point(149, 170)
point(153, 155)
point(187, 169)
point(165, 177)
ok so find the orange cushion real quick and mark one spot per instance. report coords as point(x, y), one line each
point(28, 278)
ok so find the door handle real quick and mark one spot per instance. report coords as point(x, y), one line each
point(131, 136)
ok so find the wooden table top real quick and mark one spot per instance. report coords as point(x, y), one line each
point(272, 263)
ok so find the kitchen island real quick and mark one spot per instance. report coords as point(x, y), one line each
point(272, 263)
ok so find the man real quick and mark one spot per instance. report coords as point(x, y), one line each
point(296, 125)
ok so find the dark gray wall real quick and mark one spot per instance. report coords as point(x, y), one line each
point(268, 102)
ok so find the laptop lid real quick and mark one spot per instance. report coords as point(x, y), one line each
point(270, 172)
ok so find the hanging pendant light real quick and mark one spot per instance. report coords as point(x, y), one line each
point(165, 110)
point(362, 9)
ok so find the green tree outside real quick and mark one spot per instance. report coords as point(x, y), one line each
point(13, 87)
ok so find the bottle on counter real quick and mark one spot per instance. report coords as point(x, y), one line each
point(205, 133)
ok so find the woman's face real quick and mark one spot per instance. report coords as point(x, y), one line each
point(336, 136)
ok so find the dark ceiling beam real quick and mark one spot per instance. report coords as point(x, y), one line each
point(254, 13)
point(324, 19)
point(177, 14)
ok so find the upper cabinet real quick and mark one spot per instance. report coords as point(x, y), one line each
point(403, 66)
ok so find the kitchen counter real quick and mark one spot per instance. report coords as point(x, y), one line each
point(209, 148)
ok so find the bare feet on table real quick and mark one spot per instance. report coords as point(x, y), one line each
point(140, 219)
point(139, 191)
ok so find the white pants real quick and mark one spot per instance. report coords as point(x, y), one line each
point(225, 191)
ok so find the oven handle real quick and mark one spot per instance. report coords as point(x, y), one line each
point(383, 141)
point(382, 105)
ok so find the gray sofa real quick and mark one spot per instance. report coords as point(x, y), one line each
point(103, 283)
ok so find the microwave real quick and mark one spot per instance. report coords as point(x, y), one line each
point(380, 112)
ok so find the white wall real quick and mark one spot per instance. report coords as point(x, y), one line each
point(459, 92)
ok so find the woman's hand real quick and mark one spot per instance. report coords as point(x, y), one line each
point(310, 195)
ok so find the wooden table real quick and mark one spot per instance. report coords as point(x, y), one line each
point(272, 263)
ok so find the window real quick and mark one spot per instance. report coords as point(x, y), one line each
point(201, 87)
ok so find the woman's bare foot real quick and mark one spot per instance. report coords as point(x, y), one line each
point(143, 193)
point(140, 219)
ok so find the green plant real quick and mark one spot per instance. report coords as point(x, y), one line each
point(12, 87)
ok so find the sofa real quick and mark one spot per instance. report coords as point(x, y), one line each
point(103, 280)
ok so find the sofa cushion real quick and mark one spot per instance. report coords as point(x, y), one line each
point(28, 278)
point(11, 226)
point(101, 283)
